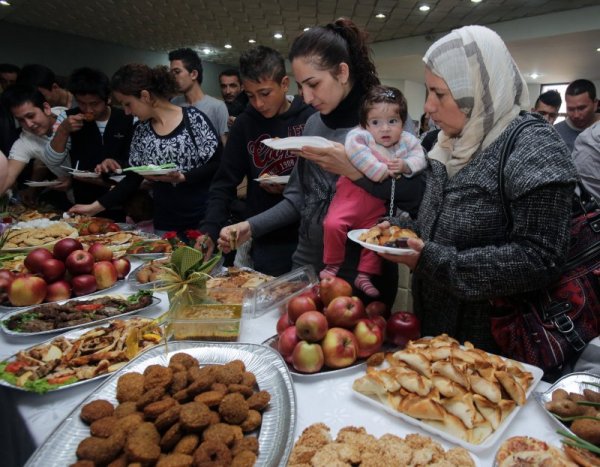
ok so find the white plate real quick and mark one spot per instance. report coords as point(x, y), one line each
point(84, 174)
point(154, 171)
point(275, 179)
point(488, 443)
point(43, 183)
point(117, 178)
point(354, 234)
point(275, 438)
point(297, 142)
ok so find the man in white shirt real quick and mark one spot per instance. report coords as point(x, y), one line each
point(186, 67)
point(38, 120)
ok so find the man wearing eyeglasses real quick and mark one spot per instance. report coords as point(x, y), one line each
point(548, 105)
point(581, 111)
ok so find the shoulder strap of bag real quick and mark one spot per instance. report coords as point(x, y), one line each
point(507, 147)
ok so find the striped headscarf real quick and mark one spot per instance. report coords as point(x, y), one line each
point(485, 83)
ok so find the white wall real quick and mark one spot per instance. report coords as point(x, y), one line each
point(64, 52)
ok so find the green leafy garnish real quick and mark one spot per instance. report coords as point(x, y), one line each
point(39, 386)
point(143, 168)
point(577, 442)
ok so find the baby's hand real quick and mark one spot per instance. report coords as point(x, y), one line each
point(396, 166)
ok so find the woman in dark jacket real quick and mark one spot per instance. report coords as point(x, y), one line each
point(466, 256)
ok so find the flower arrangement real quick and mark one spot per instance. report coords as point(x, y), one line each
point(190, 238)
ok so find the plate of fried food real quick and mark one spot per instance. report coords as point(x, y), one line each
point(458, 392)
point(75, 313)
point(525, 450)
point(573, 402)
point(188, 403)
point(392, 240)
point(316, 446)
point(79, 356)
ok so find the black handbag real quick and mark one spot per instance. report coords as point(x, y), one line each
point(551, 326)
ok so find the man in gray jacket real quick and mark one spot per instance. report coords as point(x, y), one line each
point(586, 157)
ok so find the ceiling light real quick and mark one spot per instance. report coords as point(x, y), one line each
point(252, 41)
point(534, 76)
point(424, 8)
point(206, 50)
point(380, 16)
point(4, 3)
point(227, 46)
point(475, 1)
point(306, 29)
point(598, 49)
point(277, 35)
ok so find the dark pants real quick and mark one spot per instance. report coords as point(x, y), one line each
point(273, 259)
point(16, 443)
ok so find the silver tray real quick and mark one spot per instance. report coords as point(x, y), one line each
point(71, 335)
point(155, 301)
point(97, 292)
point(325, 372)
point(575, 382)
point(133, 282)
point(276, 435)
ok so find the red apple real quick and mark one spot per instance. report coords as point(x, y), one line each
point(332, 287)
point(345, 312)
point(298, 305)
point(65, 247)
point(369, 337)
point(340, 348)
point(83, 284)
point(402, 327)
point(80, 262)
point(283, 323)
point(312, 326)
point(381, 322)
point(27, 290)
point(307, 357)
point(287, 342)
point(101, 252)
point(105, 274)
point(35, 259)
point(59, 290)
point(52, 270)
point(6, 277)
point(313, 293)
point(123, 266)
point(377, 308)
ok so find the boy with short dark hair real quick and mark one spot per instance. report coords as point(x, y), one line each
point(270, 115)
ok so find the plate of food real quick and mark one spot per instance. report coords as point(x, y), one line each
point(75, 313)
point(525, 450)
point(152, 169)
point(42, 183)
point(145, 276)
point(460, 393)
point(84, 174)
point(25, 236)
point(297, 142)
point(79, 356)
point(274, 179)
point(257, 419)
point(391, 240)
point(149, 249)
point(573, 404)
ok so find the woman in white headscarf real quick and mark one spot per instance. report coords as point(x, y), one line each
point(467, 256)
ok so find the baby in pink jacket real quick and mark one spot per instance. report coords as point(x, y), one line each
point(379, 148)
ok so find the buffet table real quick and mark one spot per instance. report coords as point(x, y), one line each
point(320, 398)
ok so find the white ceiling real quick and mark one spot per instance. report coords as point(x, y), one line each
point(562, 53)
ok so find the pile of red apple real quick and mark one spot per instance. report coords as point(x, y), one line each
point(328, 327)
point(68, 270)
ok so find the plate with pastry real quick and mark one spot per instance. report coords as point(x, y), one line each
point(297, 142)
point(458, 392)
point(392, 240)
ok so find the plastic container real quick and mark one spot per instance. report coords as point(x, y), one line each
point(215, 317)
point(275, 294)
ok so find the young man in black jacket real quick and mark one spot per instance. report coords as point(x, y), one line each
point(91, 133)
point(270, 115)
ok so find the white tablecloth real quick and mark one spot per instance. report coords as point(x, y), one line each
point(325, 398)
